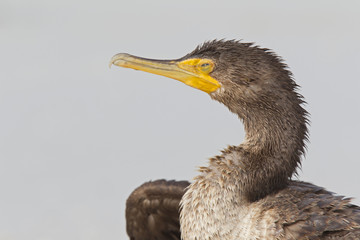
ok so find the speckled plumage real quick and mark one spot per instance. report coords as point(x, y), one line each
point(247, 191)
point(214, 208)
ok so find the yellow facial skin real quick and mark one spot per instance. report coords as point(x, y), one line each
point(193, 72)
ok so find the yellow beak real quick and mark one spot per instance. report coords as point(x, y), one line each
point(193, 72)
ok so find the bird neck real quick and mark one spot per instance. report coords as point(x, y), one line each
point(219, 197)
point(273, 145)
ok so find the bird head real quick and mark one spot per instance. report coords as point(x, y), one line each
point(232, 72)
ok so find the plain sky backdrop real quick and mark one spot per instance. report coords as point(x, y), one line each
point(77, 137)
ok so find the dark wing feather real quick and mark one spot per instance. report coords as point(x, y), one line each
point(311, 212)
point(152, 210)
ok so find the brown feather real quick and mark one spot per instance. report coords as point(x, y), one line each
point(246, 192)
point(152, 210)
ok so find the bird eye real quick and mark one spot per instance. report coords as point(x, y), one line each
point(206, 67)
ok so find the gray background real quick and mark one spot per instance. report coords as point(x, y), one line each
point(78, 137)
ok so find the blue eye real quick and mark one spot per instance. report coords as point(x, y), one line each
point(204, 65)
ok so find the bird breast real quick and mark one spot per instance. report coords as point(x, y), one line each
point(210, 211)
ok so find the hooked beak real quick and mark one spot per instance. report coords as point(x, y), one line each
point(191, 71)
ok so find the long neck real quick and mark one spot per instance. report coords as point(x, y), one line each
point(217, 200)
point(272, 148)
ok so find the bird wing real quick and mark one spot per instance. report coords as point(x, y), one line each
point(152, 210)
point(318, 214)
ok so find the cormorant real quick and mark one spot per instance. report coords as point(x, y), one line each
point(246, 192)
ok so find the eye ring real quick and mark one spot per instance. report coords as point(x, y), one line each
point(206, 66)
